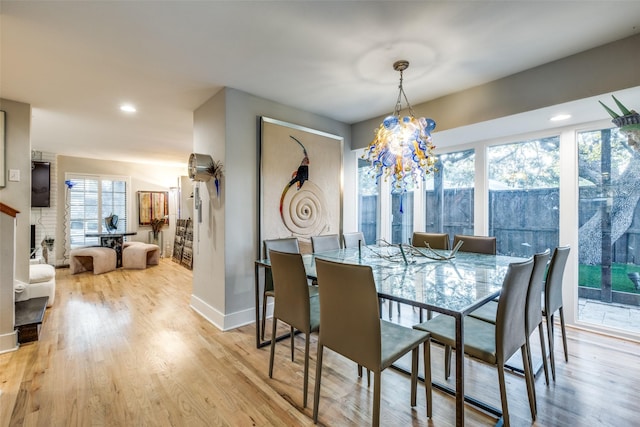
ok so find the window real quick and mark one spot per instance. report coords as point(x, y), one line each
point(368, 202)
point(531, 204)
point(524, 196)
point(89, 200)
point(402, 216)
point(449, 194)
point(609, 218)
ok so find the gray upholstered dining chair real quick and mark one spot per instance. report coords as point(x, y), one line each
point(326, 242)
point(533, 319)
point(495, 343)
point(553, 301)
point(435, 240)
point(352, 240)
point(293, 305)
point(476, 244)
point(289, 244)
point(351, 327)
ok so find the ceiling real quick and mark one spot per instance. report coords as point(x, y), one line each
point(75, 62)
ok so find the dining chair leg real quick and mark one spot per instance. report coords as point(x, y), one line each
point(447, 362)
point(414, 376)
point(528, 376)
point(531, 387)
point(549, 318)
point(316, 393)
point(273, 346)
point(306, 370)
point(264, 316)
point(564, 335)
point(503, 396)
point(427, 376)
point(544, 353)
point(292, 332)
point(375, 421)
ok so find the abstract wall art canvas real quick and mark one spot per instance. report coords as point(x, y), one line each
point(300, 182)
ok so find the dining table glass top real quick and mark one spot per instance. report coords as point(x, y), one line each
point(455, 286)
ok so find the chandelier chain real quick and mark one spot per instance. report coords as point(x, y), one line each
point(402, 94)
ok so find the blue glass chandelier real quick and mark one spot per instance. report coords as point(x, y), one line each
point(402, 147)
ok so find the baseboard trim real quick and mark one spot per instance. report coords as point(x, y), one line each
point(224, 322)
point(8, 342)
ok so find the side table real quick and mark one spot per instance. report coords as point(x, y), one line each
point(29, 316)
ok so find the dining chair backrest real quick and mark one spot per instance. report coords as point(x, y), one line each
point(553, 283)
point(534, 293)
point(327, 242)
point(349, 312)
point(510, 317)
point(435, 240)
point(289, 244)
point(351, 240)
point(291, 289)
point(476, 244)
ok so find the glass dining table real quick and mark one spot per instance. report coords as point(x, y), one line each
point(423, 279)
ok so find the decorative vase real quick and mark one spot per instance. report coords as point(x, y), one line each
point(156, 239)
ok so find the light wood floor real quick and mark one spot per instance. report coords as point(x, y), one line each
point(125, 349)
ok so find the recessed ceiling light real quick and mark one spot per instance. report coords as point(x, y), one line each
point(128, 108)
point(560, 117)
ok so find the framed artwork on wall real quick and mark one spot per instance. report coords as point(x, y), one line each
point(152, 205)
point(300, 182)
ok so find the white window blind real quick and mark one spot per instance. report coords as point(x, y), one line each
point(89, 200)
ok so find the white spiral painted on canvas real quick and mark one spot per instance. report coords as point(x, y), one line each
point(304, 210)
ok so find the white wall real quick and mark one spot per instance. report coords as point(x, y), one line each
point(224, 283)
point(209, 135)
point(17, 193)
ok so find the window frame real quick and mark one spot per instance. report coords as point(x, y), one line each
point(70, 176)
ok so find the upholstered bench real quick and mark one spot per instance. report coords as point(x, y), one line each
point(139, 255)
point(42, 283)
point(95, 258)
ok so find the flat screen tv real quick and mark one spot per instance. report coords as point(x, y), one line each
point(40, 185)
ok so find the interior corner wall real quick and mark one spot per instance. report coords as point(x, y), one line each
point(18, 157)
point(209, 135)
point(235, 116)
point(604, 69)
